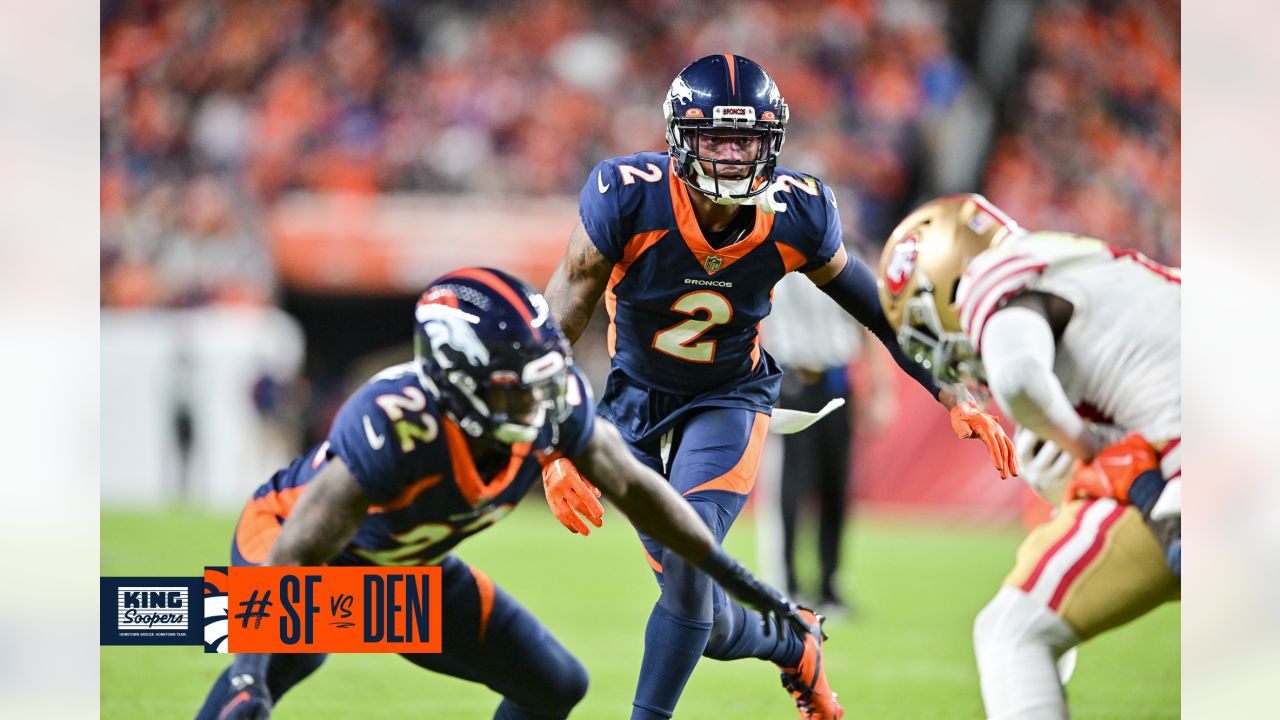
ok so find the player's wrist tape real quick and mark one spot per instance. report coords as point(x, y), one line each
point(1144, 491)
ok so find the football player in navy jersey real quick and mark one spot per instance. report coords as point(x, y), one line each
point(686, 247)
point(432, 451)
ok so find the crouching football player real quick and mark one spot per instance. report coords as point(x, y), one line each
point(429, 452)
point(1080, 342)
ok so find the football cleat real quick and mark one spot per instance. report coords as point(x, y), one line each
point(250, 701)
point(807, 682)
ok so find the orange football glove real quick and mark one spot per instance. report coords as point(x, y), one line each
point(968, 420)
point(568, 493)
point(1113, 470)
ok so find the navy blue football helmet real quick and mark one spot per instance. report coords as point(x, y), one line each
point(725, 92)
point(486, 346)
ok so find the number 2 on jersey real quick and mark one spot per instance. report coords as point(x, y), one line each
point(680, 340)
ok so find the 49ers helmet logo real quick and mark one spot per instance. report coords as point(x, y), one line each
point(902, 265)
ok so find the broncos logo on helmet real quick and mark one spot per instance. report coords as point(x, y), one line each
point(487, 347)
point(680, 91)
point(449, 334)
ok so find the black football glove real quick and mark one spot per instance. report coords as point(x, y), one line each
point(249, 700)
point(755, 593)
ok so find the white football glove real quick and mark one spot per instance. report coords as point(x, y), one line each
point(1045, 466)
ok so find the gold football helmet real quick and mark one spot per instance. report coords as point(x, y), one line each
point(920, 269)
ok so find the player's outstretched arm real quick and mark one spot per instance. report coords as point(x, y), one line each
point(653, 507)
point(576, 285)
point(852, 284)
point(325, 519)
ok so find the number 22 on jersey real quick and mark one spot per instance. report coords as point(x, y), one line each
point(681, 340)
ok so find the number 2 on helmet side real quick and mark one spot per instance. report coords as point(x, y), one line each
point(707, 310)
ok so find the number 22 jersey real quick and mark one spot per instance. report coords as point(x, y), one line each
point(415, 465)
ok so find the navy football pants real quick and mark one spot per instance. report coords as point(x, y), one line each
point(487, 638)
point(712, 462)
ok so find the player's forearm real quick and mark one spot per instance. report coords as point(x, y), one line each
point(1018, 355)
point(656, 510)
point(854, 290)
point(324, 521)
point(310, 546)
point(642, 495)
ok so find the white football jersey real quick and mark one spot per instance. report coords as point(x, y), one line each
point(1120, 357)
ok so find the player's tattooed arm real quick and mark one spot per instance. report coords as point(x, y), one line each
point(325, 519)
point(577, 283)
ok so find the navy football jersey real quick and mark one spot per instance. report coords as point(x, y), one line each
point(684, 316)
point(415, 465)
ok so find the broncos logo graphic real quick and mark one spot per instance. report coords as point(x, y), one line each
point(775, 96)
point(681, 91)
point(215, 609)
point(449, 329)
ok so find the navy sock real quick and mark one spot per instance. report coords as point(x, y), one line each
point(213, 701)
point(672, 646)
point(739, 633)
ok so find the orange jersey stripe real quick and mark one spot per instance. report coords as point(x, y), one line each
point(636, 246)
point(742, 477)
point(407, 497)
point(657, 566)
point(792, 258)
point(611, 307)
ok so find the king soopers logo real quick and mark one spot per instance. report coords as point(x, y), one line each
point(152, 608)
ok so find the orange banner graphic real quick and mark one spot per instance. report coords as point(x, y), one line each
point(334, 609)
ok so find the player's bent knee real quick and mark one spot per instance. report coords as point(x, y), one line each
point(565, 688)
point(686, 590)
point(723, 632)
point(1014, 619)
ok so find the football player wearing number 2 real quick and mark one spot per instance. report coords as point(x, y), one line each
point(686, 247)
point(430, 452)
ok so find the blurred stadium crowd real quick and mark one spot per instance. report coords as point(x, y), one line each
point(1065, 113)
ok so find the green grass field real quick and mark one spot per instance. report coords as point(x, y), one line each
point(906, 656)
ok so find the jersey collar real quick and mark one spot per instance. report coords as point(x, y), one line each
point(474, 490)
point(711, 260)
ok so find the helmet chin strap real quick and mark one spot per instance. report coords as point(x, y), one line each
point(766, 201)
point(509, 433)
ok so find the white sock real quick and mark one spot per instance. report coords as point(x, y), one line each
point(1018, 642)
